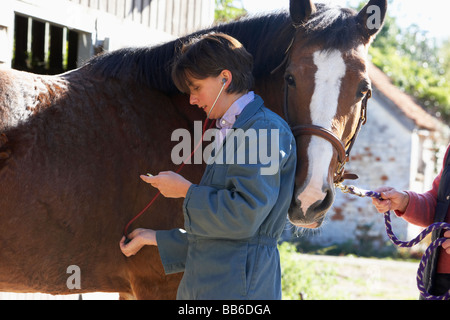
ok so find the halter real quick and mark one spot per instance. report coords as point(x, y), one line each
point(343, 150)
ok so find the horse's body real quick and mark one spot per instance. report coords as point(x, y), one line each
point(71, 184)
point(71, 152)
point(78, 143)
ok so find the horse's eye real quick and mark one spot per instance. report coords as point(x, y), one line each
point(363, 88)
point(361, 94)
point(290, 80)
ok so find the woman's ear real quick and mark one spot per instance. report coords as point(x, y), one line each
point(227, 76)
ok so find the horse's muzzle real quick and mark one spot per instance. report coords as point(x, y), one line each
point(314, 215)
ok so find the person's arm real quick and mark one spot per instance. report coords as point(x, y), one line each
point(172, 246)
point(234, 211)
point(392, 199)
point(416, 208)
point(240, 197)
point(238, 208)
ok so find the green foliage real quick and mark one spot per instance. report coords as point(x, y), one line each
point(310, 277)
point(226, 10)
point(444, 58)
point(304, 280)
point(416, 64)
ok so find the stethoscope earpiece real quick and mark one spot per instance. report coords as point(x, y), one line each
point(224, 81)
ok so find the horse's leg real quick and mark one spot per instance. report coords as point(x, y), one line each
point(161, 289)
point(126, 296)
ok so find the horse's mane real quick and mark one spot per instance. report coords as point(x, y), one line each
point(266, 37)
point(333, 27)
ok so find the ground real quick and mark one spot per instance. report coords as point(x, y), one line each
point(370, 279)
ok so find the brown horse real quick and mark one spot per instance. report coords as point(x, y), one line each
point(72, 146)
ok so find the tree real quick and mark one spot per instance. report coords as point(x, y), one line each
point(227, 10)
point(416, 64)
point(413, 65)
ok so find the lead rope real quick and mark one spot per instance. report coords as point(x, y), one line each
point(125, 230)
point(406, 244)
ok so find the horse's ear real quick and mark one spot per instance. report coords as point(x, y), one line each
point(301, 10)
point(371, 17)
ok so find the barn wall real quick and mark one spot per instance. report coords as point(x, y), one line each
point(110, 24)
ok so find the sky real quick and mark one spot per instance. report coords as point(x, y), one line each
point(429, 18)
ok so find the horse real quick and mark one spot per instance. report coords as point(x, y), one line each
point(72, 146)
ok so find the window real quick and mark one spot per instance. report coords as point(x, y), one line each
point(42, 47)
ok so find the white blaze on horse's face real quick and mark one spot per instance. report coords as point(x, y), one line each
point(324, 102)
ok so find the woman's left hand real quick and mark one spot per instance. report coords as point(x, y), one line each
point(170, 184)
point(446, 244)
point(138, 239)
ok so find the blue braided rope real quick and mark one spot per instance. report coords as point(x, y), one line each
point(426, 256)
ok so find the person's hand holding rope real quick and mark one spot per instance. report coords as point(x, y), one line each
point(393, 199)
point(446, 244)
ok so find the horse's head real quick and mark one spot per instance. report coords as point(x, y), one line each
point(326, 78)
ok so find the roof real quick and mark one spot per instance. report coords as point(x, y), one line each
point(404, 102)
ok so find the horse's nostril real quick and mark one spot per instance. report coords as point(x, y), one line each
point(326, 203)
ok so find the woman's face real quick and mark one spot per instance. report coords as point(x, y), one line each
point(203, 93)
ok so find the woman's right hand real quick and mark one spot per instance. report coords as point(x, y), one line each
point(391, 200)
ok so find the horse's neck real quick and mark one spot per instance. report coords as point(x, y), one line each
point(268, 52)
point(271, 90)
point(266, 38)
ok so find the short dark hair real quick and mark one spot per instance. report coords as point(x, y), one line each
point(210, 54)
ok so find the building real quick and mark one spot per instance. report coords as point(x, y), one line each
point(400, 146)
point(52, 36)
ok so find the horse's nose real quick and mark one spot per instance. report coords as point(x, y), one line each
point(312, 211)
point(319, 209)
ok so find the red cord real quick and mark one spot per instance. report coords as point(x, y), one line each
point(125, 230)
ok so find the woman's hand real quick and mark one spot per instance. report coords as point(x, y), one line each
point(139, 238)
point(170, 184)
point(446, 244)
point(392, 200)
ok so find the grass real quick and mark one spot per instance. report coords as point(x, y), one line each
point(315, 277)
point(303, 280)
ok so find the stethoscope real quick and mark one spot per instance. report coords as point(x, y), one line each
point(125, 231)
point(224, 81)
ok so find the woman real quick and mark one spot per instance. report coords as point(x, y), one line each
point(423, 210)
point(234, 216)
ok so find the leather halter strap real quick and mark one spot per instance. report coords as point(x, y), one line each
point(310, 129)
